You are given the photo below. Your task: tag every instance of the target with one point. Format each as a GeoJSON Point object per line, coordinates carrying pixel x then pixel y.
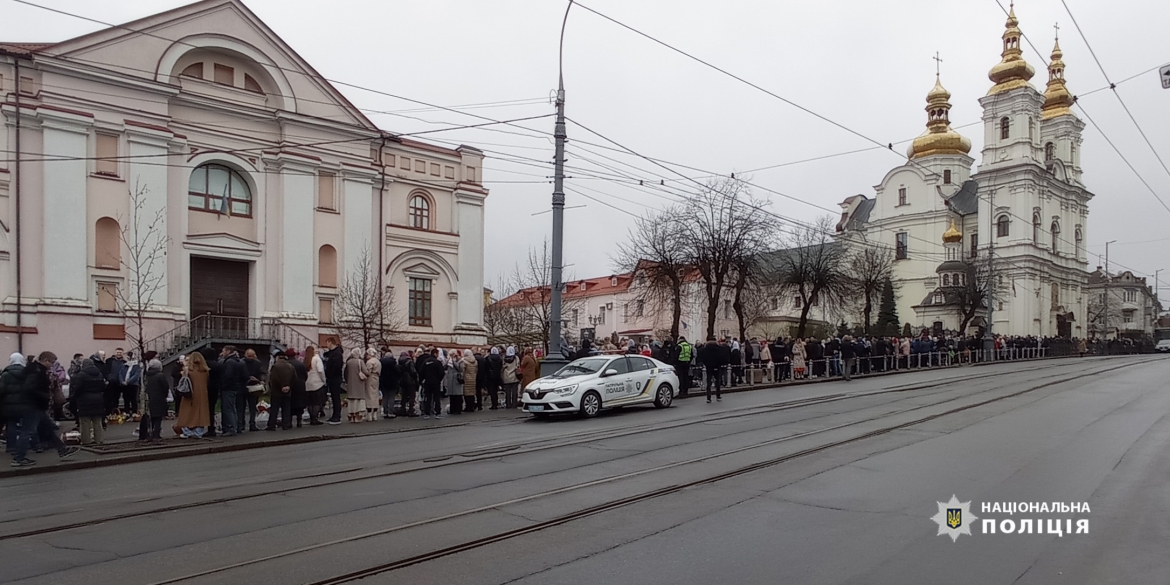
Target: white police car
{"type": "Point", "coordinates": [590, 384]}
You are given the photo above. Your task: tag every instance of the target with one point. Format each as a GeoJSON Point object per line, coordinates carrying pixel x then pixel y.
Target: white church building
{"type": "Point", "coordinates": [1025, 208]}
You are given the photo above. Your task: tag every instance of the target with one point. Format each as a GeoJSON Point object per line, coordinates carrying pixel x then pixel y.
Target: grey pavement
{"type": "Point", "coordinates": [820, 483]}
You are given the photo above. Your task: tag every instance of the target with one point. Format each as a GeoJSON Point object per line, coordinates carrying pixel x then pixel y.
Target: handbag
{"type": "Point", "coordinates": [184, 386]}
{"type": "Point", "coordinates": [255, 388]}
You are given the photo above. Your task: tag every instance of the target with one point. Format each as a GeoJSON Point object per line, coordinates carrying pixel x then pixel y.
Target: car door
{"type": "Point", "coordinates": [642, 373]}
{"type": "Point", "coordinates": [616, 387]}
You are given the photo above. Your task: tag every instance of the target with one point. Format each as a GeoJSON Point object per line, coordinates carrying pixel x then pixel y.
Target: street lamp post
{"type": "Point", "coordinates": [555, 359]}
{"type": "Point", "coordinates": [1105, 314]}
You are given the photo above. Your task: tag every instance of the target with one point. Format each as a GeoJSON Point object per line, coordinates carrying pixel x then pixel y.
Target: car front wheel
{"type": "Point", "coordinates": [664, 397]}
{"type": "Point", "coordinates": [590, 404]}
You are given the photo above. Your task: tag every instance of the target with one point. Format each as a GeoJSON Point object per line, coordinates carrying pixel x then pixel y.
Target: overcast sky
{"type": "Point", "coordinates": [865, 65]}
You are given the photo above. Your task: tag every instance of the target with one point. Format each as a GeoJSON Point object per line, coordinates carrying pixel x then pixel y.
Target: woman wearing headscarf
{"type": "Point", "coordinates": [355, 385]}
{"type": "Point", "coordinates": [314, 382]}
{"type": "Point", "coordinates": [157, 389]}
{"type": "Point", "coordinates": [373, 381]}
{"type": "Point", "coordinates": [453, 381]}
{"type": "Point", "coordinates": [194, 415]}
{"type": "Point", "coordinates": [510, 377]}
{"type": "Point", "coordinates": [469, 367]}
{"type": "Point", "coordinates": [799, 358]}
{"type": "Point", "coordinates": [736, 363]}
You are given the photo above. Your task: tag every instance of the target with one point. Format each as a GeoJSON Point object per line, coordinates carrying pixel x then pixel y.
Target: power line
{"type": "Point", "coordinates": [1113, 87]}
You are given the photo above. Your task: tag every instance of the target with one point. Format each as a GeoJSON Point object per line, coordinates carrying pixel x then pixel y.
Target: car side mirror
{"type": "Point", "coordinates": [610, 372]}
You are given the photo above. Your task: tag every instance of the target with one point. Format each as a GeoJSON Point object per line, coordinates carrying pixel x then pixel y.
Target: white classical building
{"type": "Point", "coordinates": [1025, 207]}
{"type": "Point", "coordinates": [269, 187]}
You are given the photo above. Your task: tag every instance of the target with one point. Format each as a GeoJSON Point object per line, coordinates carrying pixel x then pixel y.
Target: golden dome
{"type": "Point", "coordinates": [1057, 99]}
{"type": "Point", "coordinates": [939, 137]}
{"type": "Point", "coordinates": [952, 235]}
{"type": "Point", "coordinates": [1012, 72]}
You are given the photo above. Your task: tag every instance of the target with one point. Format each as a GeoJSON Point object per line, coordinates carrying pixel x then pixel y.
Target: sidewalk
{"type": "Point", "coordinates": [121, 446]}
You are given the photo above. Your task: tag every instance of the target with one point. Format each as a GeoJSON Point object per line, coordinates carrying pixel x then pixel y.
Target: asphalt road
{"type": "Point", "coordinates": [825, 483]}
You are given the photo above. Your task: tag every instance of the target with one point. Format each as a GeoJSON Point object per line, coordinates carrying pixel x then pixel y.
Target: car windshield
{"type": "Point", "coordinates": [1164, 342]}
{"type": "Point", "coordinates": [582, 367]}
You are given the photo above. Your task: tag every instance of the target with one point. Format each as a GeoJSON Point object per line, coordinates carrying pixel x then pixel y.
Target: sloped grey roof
{"type": "Point", "coordinates": [860, 215]}
{"type": "Point", "coordinates": [966, 201]}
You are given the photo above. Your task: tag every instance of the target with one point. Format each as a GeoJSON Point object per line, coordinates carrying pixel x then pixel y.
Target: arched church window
{"type": "Point", "coordinates": [1055, 236]}
{"type": "Point", "coordinates": [219, 189]}
{"type": "Point", "coordinates": [1004, 128]}
{"type": "Point", "coordinates": [1078, 240]}
{"type": "Point", "coordinates": [420, 212]}
{"type": "Point", "coordinates": [946, 280]}
{"type": "Point", "coordinates": [1036, 228]}
{"type": "Point", "coordinates": [1002, 226]}
{"type": "Point", "coordinates": [1049, 151]}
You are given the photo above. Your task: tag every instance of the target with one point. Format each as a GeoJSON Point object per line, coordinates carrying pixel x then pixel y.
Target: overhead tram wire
{"type": "Point", "coordinates": [1096, 127]}
{"type": "Point", "coordinates": [1113, 87]}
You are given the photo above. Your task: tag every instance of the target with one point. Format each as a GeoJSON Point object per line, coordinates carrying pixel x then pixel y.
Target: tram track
{"type": "Point", "coordinates": [642, 497]}
{"type": "Point", "coordinates": [537, 445]}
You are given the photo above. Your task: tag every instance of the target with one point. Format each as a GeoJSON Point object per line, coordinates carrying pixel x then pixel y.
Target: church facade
{"type": "Point", "coordinates": [1013, 229]}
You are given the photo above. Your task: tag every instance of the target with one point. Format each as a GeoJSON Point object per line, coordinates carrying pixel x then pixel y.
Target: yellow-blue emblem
{"type": "Point", "coordinates": [954, 517]}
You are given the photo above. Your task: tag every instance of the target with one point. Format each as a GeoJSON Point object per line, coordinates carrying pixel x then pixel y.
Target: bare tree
{"type": "Point", "coordinates": [971, 294]}
{"type": "Point", "coordinates": [366, 313]}
{"type": "Point", "coordinates": [533, 297]}
{"type": "Point", "coordinates": [506, 321]}
{"type": "Point", "coordinates": [1095, 311]}
{"type": "Point", "coordinates": [868, 269]}
{"type": "Point", "coordinates": [813, 267]}
{"type": "Point", "coordinates": [144, 239]}
{"type": "Point", "coordinates": [723, 225]}
{"type": "Point", "coordinates": [656, 255]}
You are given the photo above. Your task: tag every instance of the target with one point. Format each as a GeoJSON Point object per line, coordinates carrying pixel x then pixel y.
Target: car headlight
{"type": "Point", "coordinates": [571, 388]}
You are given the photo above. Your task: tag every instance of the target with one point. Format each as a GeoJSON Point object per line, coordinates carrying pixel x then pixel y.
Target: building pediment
{"type": "Point", "coordinates": [223, 244]}
{"type": "Point", "coordinates": [154, 47]}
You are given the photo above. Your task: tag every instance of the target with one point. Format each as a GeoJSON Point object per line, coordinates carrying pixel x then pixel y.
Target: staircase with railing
{"type": "Point", "coordinates": [206, 330]}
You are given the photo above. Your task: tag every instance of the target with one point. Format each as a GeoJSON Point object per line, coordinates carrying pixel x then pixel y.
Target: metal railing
{"type": "Point", "coordinates": [209, 328]}
{"type": "Point", "coordinates": [832, 367]}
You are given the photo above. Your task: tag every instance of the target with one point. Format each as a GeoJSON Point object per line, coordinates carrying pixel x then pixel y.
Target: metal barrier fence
{"type": "Point", "coordinates": [833, 367]}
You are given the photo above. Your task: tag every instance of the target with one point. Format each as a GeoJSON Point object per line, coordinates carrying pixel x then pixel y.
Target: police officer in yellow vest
{"type": "Point", "coordinates": [682, 365]}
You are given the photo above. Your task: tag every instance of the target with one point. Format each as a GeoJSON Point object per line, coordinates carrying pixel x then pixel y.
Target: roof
{"type": "Point", "coordinates": [574, 289]}
{"type": "Point", "coordinates": [966, 201]}
{"type": "Point", "coordinates": [23, 49]}
{"type": "Point", "coordinates": [860, 215]}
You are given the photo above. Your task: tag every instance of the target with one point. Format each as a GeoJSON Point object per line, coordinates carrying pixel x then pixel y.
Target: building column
{"type": "Point", "coordinates": [65, 244]}
{"type": "Point", "coordinates": [297, 255]}
{"type": "Point", "coordinates": [149, 148]}
{"type": "Point", "coordinates": [357, 209]}
{"type": "Point", "coordinates": [469, 213]}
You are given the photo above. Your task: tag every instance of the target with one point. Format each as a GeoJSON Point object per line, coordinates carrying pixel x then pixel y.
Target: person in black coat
{"type": "Point", "coordinates": [233, 385]}
{"type": "Point", "coordinates": [494, 378]}
{"type": "Point", "coordinates": [388, 383]}
{"type": "Point", "coordinates": [334, 372]}
{"type": "Point", "coordinates": [407, 383]}
{"type": "Point", "coordinates": [87, 391]}
{"type": "Point", "coordinates": [432, 373]}
{"type": "Point", "coordinates": [481, 380]}
{"type": "Point", "coordinates": [715, 356]}
{"type": "Point", "coordinates": [25, 394]}
{"type": "Point", "coordinates": [157, 388]}
{"type": "Point", "coordinates": [848, 356]}
{"type": "Point", "coordinates": [816, 357]}
{"type": "Point", "coordinates": [300, 396]}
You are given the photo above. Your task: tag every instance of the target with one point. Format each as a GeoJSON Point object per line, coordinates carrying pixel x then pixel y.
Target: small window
{"type": "Point", "coordinates": [1049, 151]}
{"type": "Point", "coordinates": [194, 70]}
{"type": "Point", "coordinates": [420, 302]}
{"type": "Point", "coordinates": [974, 245]}
{"type": "Point", "coordinates": [1002, 226]}
{"type": "Point", "coordinates": [107, 297]}
{"type": "Point", "coordinates": [327, 267]}
{"type": "Point", "coordinates": [326, 198]}
{"type": "Point", "coordinates": [107, 155]}
{"type": "Point", "coordinates": [947, 279]}
{"type": "Point", "coordinates": [726, 309]}
{"type": "Point", "coordinates": [225, 75]}
{"type": "Point", "coordinates": [947, 177]}
{"type": "Point", "coordinates": [251, 84]}
{"type": "Point", "coordinates": [325, 310]}
{"type": "Point", "coordinates": [107, 244]}
{"type": "Point", "coordinates": [639, 308]}
{"type": "Point", "coordinates": [797, 302]}
{"type": "Point", "coordinates": [901, 251]}
{"type": "Point", "coordinates": [576, 316]}
{"type": "Point", "coordinates": [600, 313]}
{"type": "Point", "coordinates": [420, 212]}
{"type": "Point", "coordinates": [1130, 295]}
{"type": "Point", "coordinates": [902, 196]}
{"type": "Point", "coordinates": [613, 281]}
{"type": "Point", "coordinates": [1005, 126]}
{"type": "Point", "coordinates": [1036, 229]}
{"type": "Point", "coordinates": [582, 286]}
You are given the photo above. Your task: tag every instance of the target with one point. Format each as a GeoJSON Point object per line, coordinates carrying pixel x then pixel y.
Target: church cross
{"type": "Point", "coordinates": [937, 62]}
{"type": "Point", "coordinates": [1057, 27]}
